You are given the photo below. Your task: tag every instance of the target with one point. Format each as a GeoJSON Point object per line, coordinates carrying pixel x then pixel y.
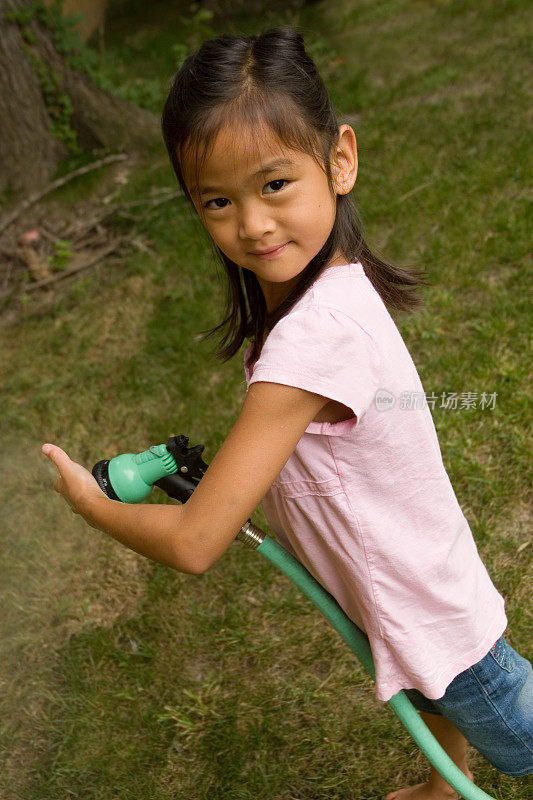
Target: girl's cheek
{"type": "Point", "coordinates": [223, 229]}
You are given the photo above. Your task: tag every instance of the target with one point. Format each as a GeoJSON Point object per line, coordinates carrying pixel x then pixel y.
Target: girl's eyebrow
{"type": "Point", "coordinates": [281, 162]}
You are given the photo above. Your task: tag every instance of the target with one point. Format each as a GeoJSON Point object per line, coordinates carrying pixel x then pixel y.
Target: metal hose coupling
{"type": "Point", "coordinates": [251, 535]}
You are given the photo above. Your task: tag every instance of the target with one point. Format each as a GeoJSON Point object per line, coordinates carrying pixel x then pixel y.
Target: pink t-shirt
{"type": "Point", "coordinates": [366, 504]}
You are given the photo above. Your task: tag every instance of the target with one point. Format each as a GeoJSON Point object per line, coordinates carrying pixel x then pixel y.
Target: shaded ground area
{"type": "Point", "coordinates": [48, 243]}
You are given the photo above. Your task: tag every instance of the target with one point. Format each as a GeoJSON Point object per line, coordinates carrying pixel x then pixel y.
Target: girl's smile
{"type": "Point", "coordinates": [267, 254]}
{"type": "Point", "coordinates": [269, 208]}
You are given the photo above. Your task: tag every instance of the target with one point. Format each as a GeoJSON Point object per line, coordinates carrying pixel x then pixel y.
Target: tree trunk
{"type": "Point", "coordinates": [29, 66]}
{"type": "Point", "coordinates": [94, 12]}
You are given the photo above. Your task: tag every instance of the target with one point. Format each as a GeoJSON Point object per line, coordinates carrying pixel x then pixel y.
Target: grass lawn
{"type": "Point", "coordinates": [123, 679]}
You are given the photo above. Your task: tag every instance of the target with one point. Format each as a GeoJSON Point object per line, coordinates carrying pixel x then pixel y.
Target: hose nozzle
{"type": "Point", "coordinates": [173, 467]}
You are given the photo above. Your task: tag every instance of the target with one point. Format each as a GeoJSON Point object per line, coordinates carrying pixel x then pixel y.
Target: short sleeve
{"type": "Point", "coordinates": [322, 350]}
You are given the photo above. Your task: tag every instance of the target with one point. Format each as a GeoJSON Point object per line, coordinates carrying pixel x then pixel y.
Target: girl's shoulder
{"type": "Point", "coordinates": [341, 311]}
{"type": "Point", "coordinates": [344, 287]}
{"type": "Point", "coordinates": [346, 293]}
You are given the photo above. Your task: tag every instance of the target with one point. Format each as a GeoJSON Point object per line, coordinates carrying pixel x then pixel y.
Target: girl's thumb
{"type": "Point", "coordinates": [55, 453]}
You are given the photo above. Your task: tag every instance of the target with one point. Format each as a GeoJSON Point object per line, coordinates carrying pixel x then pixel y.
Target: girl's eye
{"type": "Point", "coordinates": [279, 180]}
{"type": "Point", "coordinates": [215, 200]}
{"type": "Point", "coordinates": [224, 200]}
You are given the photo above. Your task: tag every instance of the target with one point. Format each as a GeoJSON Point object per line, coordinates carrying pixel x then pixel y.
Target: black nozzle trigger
{"type": "Point", "coordinates": [190, 469]}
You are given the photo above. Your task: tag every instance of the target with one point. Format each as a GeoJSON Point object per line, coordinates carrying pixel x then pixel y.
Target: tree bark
{"type": "Point", "coordinates": [94, 13]}
{"type": "Point", "coordinates": [29, 153]}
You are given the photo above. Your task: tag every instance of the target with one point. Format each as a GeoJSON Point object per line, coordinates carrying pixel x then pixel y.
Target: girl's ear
{"type": "Point", "coordinates": [344, 162]}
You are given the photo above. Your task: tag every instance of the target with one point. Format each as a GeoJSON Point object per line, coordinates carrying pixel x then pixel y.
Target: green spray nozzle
{"type": "Point", "coordinates": [132, 476]}
{"type": "Point", "coordinates": [173, 467]}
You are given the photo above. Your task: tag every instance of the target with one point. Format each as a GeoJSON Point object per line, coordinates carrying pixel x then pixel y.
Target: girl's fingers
{"type": "Point", "coordinates": [53, 451]}
{"type": "Point", "coordinates": [61, 460]}
{"type": "Point", "coordinates": [74, 482]}
{"type": "Point", "coordinates": [56, 454]}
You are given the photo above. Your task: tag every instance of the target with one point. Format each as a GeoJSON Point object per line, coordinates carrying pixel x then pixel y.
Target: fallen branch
{"type": "Point", "coordinates": [56, 184]}
{"type": "Point", "coordinates": [58, 276]}
{"type": "Point", "coordinates": [79, 229]}
{"type": "Point", "coordinates": [150, 201]}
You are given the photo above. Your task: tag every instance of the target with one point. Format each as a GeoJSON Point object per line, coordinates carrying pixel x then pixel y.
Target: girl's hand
{"type": "Point", "coordinates": [75, 483]}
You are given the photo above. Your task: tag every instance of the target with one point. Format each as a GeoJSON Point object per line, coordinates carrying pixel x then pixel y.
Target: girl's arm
{"type": "Point", "coordinates": [192, 537]}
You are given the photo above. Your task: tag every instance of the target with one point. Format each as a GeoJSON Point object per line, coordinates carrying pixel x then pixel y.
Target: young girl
{"type": "Point", "coordinates": [350, 476]}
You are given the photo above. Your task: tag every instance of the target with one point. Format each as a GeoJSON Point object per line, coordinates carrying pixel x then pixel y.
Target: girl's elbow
{"type": "Point", "coordinates": [196, 550]}
{"type": "Point", "coordinates": [189, 568]}
{"type": "Point", "coordinates": [185, 553]}
{"type": "Point", "coordinates": [182, 558]}
{"type": "Point", "coordinates": [190, 564]}
{"type": "Point", "coordinates": [200, 560]}
{"type": "Point", "coordinates": [192, 559]}
{"type": "Point", "coordinates": [202, 564]}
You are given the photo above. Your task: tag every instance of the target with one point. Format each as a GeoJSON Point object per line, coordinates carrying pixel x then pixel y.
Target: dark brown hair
{"type": "Point", "coordinates": [269, 82]}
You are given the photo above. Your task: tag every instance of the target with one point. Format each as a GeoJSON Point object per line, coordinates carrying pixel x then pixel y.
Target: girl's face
{"type": "Point", "coordinates": [268, 208]}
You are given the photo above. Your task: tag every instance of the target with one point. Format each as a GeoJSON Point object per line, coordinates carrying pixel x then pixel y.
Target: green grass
{"type": "Point", "coordinates": [124, 679]}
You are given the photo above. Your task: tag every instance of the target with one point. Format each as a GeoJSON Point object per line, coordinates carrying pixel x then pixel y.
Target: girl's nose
{"type": "Point", "coordinates": [255, 222]}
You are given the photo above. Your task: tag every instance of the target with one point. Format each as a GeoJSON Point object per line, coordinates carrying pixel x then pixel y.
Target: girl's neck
{"type": "Point", "coordinates": [275, 293]}
{"type": "Point", "coordinates": [338, 261]}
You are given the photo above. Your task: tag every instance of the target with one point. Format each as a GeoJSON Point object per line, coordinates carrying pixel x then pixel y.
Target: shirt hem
{"type": "Point", "coordinates": [437, 688]}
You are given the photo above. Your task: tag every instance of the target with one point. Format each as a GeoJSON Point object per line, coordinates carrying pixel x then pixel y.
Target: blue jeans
{"type": "Point", "coordinates": [491, 704]}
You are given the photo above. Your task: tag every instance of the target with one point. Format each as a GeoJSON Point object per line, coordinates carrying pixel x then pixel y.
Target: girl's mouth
{"type": "Point", "coordinates": [271, 253]}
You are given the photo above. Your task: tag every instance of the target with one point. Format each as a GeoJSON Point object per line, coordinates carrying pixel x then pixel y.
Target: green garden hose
{"type": "Point", "coordinates": [358, 643]}
{"type": "Point", "coordinates": [177, 469]}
